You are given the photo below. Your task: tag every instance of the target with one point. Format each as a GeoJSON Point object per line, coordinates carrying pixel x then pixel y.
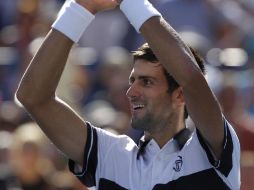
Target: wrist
{"type": "Point", "coordinates": [72, 20]}
{"type": "Point", "coordinates": [138, 11]}
{"type": "Point", "coordinates": [119, 1]}
{"type": "Point", "coordinates": [87, 6]}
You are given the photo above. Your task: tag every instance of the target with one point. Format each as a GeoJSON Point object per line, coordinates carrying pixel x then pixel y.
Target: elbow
{"type": "Point", "coordinates": [29, 99]}
{"type": "Point", "coordinates": [22, 97]}
{"type": "Point", "coordinates": [19, 95]}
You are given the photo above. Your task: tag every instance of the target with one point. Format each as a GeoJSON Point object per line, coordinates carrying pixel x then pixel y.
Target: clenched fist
{"type": "Point", "coordinates": [95, 6]}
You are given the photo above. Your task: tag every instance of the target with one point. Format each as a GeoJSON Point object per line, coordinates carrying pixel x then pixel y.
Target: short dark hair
{"type": "Point", "coordinates": [145, 52]}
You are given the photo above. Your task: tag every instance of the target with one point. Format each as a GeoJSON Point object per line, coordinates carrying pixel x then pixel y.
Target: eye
{"type": "Point", "coordinates": [131, 80]}
{"type": "Point", "coordinates": [147, 82]}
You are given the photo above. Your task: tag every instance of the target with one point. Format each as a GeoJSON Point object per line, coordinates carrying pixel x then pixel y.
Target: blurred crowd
{"type": "Point", "coordinates": [96, 78]}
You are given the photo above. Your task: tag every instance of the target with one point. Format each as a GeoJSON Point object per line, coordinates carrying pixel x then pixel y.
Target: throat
{"type": "Point", "coordinates": [164, 135]}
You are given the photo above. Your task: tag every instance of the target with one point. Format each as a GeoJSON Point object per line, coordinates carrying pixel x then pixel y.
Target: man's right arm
{"type": "Point", "coordinates": [38, 85]}
{"type": "Point", "coordinates": [37, 93]}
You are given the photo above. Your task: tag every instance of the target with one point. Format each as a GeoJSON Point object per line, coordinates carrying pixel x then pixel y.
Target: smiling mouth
{"type": "Point", "coordinates": [138, 106]}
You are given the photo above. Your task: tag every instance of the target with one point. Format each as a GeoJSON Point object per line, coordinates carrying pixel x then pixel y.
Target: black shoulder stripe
{"type": "Point", "coordinates": [92, 159]}
{"type": "Point", "coordinates": [226, 161]}
{"type": "Point", "coordinates": [182, 137]}
{"type": "Point", "coordinates": [225, 164]}
{"type": "Point", "coordinates": [207, 150]}
{"type": "Point", "coordinates": [87, 175]}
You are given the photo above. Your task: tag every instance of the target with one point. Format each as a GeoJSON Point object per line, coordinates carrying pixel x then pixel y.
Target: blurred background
{"type": "Point", "coordinates": [96, 78]}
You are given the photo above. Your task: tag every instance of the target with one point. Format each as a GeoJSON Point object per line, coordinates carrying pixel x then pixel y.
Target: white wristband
{"type": "Point", "coordinates": [138, 11]}
{"type": "Point", "coordinates": [72, 20]}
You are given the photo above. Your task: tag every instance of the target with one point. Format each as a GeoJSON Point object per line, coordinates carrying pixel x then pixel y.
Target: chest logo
{"type": "Point", "coordinates": [178, 164]}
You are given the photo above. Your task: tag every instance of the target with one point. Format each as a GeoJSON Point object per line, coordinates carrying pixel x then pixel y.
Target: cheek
{"type": "Point", "coordinates": [162, 103]}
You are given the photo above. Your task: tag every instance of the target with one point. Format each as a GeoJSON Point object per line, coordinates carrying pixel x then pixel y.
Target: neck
{"type": "Point", "coordinates": [163, 135]}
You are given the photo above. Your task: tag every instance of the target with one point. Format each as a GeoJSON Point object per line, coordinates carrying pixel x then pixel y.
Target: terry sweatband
{"type": "Point", "coordinates": [138, 11]}
{"type": "Point", "coordinates": [72, 20]}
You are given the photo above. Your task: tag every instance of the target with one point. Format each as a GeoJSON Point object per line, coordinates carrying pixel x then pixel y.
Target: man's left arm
{"type": "Point", "coordinates": [177, 58]}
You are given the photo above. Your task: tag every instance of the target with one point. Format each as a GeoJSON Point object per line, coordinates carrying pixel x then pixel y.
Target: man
{"type": "Point", "coordinates": [169, 155]}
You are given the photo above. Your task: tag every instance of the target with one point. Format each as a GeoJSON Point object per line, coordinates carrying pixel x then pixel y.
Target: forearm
{"type": "Point", "coordinates": [171, 51]}
{"type": "Point", "coordinates": [43, 74]}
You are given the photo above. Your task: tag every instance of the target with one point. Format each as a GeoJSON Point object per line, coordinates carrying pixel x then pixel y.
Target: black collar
{"type": "Point", "coordinates": [181, 138]}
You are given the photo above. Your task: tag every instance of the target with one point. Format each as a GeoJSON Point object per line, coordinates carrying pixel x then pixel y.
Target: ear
{"type": "Point", "coordinates": [178, 96]}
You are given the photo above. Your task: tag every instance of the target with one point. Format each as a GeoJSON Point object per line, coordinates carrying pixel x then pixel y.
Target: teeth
{"type": "Point", "coordinates": [138, 106]}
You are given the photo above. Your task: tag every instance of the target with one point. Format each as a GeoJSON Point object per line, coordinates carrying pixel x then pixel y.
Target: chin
{"type": "Point", "coordinates": [139, 124]}
{"type": "Point", "coordinates": [134, 123]}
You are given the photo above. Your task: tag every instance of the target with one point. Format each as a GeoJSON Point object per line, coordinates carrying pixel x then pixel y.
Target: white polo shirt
{"type": "Point", "coordinates": [185, 163]}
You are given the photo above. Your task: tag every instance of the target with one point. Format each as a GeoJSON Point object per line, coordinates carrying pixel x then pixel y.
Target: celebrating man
{"type": "Point", "coordinates": [166, 85]}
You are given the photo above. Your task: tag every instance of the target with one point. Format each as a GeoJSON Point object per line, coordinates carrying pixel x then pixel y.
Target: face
{"type": "Point", "coordinates": [150, 102]}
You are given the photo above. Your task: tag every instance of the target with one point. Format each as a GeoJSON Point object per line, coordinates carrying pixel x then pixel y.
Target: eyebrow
{"type": "Point", "coordinates": [143, 77]}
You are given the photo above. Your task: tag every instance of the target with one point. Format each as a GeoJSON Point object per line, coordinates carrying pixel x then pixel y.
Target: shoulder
{"type": "Point", "coordinates": [108, 140]}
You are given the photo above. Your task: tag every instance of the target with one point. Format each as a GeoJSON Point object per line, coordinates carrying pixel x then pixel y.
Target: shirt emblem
{"type": "Point", "coordinates": [178, 164]}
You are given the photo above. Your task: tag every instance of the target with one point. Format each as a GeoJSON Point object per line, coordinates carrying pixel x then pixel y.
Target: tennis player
{"type": "Point", "coordinates": [166, 84]}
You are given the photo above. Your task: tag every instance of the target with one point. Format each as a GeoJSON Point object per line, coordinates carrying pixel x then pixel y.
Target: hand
{"type": "Point", "coordinates": [95, 6]}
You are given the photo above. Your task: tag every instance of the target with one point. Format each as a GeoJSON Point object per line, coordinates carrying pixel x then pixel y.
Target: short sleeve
{"type": "Point", "coordinates": [230, 157]}
{"type": "Point", "coordinates": [86, 173]}
{"type": "Point", "coordinates": [101, 146]}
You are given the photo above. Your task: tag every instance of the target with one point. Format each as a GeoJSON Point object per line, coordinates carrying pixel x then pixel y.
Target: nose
{"type": "Point", "coordinates": [133, 91]}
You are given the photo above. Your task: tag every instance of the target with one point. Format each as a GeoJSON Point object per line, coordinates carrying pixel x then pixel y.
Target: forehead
{"type": "Point", "coordinates": [146, 68]}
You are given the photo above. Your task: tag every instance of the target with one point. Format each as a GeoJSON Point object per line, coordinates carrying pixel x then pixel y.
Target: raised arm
{"type": "Point", "coordinates": [38, 85]}
{"type": "Point", "coordinates": [176, 57]}
{"type": "Point", "coordinates": [37, 93]}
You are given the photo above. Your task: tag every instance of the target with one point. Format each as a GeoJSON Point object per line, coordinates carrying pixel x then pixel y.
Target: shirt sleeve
{"type": "Point", "coordinates": [230, 157]}
{"type": "Point", "coordinates": [86, 173]}
{"type": "Point", "coordinates": [100, 149]}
